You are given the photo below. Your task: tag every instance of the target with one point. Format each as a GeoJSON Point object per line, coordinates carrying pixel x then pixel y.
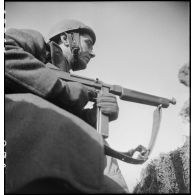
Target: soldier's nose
{"type": "Point", "coordinates": [92, 54]}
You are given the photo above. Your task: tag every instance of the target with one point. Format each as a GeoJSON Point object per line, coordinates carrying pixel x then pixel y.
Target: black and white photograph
{"type": "Point", "coordinates": [97, 97]}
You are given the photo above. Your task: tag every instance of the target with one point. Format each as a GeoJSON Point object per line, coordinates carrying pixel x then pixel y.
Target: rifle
{"type": "Point", "coordinates": [126, 95]}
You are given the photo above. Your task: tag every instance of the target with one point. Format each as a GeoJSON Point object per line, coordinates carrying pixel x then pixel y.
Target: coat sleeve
{"type": "Point", "coordinates": [25, 70]}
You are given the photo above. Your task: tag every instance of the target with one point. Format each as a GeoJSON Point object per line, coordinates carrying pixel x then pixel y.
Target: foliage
{"type": "Point", "coordinates": [167, 174]}
{"type": "Point", "coordinates": [170, 172]}
{"type": "Point", "coordinates": [184, 78]}
{"type": "Point", "coordinates": [185, 111]}
{"type": "Point", "coordinates": [184, 75]}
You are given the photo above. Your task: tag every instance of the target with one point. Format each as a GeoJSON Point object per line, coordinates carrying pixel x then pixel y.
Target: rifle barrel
{"type": "Point", "coordinates": [144, 98]}
{"type": "Point", "coordinates": [123, 93]}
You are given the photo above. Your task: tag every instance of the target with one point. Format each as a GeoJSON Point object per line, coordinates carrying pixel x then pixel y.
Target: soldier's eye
{"type": "Point", "coordinates": [89, 43]}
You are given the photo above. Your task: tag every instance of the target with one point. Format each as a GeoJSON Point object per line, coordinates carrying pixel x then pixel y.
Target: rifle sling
{"type": "Point", "coordinates": [128, 158]}
{"type": "Point", "coordinates": [122, 156]}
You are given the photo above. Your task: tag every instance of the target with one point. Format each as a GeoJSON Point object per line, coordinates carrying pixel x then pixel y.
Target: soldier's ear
{"type": "Point", "coordinates": [64, 40]}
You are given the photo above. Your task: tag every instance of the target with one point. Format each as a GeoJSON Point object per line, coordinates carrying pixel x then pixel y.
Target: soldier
{"type": "Point", "coordinates": [52, 146]}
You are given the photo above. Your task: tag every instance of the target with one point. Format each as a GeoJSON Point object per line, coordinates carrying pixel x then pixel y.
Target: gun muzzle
{"type": "Point", "coordinates": [173, 101]}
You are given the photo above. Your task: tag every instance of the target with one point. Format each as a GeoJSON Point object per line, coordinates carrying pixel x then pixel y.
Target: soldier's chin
{"type": "Point", "coordinates": [79, 66]}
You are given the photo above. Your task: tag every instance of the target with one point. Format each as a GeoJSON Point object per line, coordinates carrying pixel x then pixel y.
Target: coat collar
{"type": "Point", "coordinates": [56, 57]}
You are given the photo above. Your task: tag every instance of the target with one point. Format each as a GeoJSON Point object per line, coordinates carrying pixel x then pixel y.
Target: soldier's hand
{"type": "Point", "coordinates": [140, 152]}
{"type": "Point", "coordinates": [109, 106]}
{"type": "Point", "coordinates": [78, 94]}
{"type": "Point", "coordinates": [141, 149]}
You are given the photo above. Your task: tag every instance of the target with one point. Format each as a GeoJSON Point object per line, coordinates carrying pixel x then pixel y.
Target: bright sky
{"type": "Point", "coordinates": [141, 46]}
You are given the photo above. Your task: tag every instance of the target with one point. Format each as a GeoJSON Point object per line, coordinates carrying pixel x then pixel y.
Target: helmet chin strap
{"type": "Point", "coordinates": [74, 40]}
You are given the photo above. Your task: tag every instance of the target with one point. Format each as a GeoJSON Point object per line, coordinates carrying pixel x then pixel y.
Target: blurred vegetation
{"type": "Point", "coordinates": [170, 173]}
{"type": "Point", "coordinates": [167, 174]}
{"type": "Point", "coordinates": [184, 75]}
{"type": "Point", "coordinates": [184, 78]}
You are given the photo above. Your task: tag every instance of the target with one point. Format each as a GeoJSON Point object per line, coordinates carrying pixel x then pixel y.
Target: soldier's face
{"type": "Point", "coordinates": [86, 51]}
{"type": "Point", "coordinates": [81, 60]}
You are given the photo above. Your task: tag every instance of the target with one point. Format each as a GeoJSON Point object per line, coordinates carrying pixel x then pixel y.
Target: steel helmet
{"type": "Point", "coordinates": [69, 25]}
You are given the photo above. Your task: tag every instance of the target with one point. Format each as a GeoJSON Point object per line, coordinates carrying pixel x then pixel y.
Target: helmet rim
{"type": "Point", "coordinates": [70, 25]}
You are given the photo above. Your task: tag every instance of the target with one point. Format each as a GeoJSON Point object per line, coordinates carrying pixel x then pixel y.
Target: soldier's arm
{"type": "Point", "coordinates": [25, 69]}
